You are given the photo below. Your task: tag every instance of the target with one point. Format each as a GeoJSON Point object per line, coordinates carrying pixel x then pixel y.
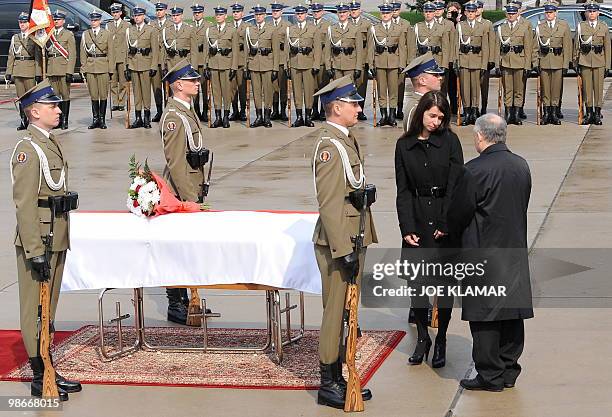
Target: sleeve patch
{"type": "Point", "coordinates": [325, 156]}
{"type": "Point", "coordinates": [21, 157]}
{"type": "Point", "coordinates": [171, 126]}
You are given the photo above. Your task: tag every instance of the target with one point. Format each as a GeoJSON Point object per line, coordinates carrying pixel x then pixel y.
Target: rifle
{"type": "Point", "coordinates": [353, 400]}
{"type": "Point", "coordinates": [538, 102]}
{"type": "Point", "coordinates": [374, 101]}
{"type": "Point", "coordinates": [459, 103]}
{"type": "Point", "coordinates": [110, 100]}
{"type": "Point", "coordinates": [128, 108]}
{"type": "Point", "coordinates": [580, 103]}
{"type": "Point", "coordinates": [289, 88]}
{"type": "Point", "coordinates": [209, 99]}
{"type": "Point", "coordinates": [499, 93]}
{"type": "Point", "coordinates": [248, 102]}
{"type": "Point", "coordinates": [44, 313]}
{"type": "Point", "coordinates": [206, 184]}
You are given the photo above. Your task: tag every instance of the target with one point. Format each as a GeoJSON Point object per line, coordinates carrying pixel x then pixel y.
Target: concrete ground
{"type": "Point", "coordinates": [565, 360]}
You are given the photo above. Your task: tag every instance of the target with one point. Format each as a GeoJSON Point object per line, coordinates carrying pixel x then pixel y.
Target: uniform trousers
{"type": "Point", "coordinates": [550, 83]}
{"type": "Point", "coordinates": [512, 80]}
{"type": "Point", "coordinates": [23, 84]}
{"type": "Point", "coordinates": [262, 87]}
{"type": "Point", "coordinates": [401, 89]}
{"type": "Point", "coordinates": [118, 83]}
{"type": "Point", "coordinates": [60, 86]}
{"type": "Point", "coordinates": [280, 85]}
{"type": "Point", "coordinates": [239, 87]}
{"type": "Point", "coordinates": [98, 86]}
{"type": "Point", "coordinates": [470, 87]}
{"type": "Point", "coordinates": [156, 84]}
{"type": "Point", "coordinates": [387, 88]}
{"type": "Point", "coordinates": [303, 88]}
{"type": "Point", "coordinates": [221, 89]}
{"type": "Point", "coordinates": [141, 82]}
{"type": "Point", "coordinates": [592, 85]}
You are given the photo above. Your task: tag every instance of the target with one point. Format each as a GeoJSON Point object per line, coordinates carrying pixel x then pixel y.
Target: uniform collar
{"type": "Point", "coordinates": [139, 27]}
{"type": "Point", "coordinates": [42, 131]}
{"type": "Point", "coordinates": [183, 103]}
{"type": "Point", "coordinates": [340, 128]}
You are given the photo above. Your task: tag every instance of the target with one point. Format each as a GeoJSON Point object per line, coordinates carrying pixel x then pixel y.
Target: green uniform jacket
{"type": "Point", "coordinates": [364, 26]}
{"type": "Point", "coordinates": [198, 57]}
{"type": "Point", "coordinates": [350, 37]}
{"type": "Point", "coordinates": [142, 39]}
{"type": "Point", "coordinates": [309, 37]}
{"type": "Point", "coordinates": [257, 39]}
{"type": "Point", "coordinates": [226, 39]}
{"type": "Point", "coordinates": [57, 65]}
{"type": "Point", "coordinates": [19, 62]}
{"type": "Point", "coordinates": [280, 36]}
{"type": "Point", "coordinates": [395, 36]}
{"type": "Point", "coordinates": [97, 45]}
{"type": "Point", "coordinates": [559, 37]}
{"type": "Point", "coordinates": [241, 41]}
{"type": "Point", "coordinates": [436, 36]}
{"type": "Point", "coordinates": [118, 39]}
{"type": "Point", "coordinates": [159, 26]}
{"type": "Point", "coordinates": [410, 41]}
{"type": "Point", "coordinates": [479, 36]}
{"type": "Point", "coordinates": [491, 41]}
{"type": "Point", "coordinates": [519, 35]}
{"type": "Point", "coordinates": [183, 39]}
{"type": "Point", "coordinates": [600, 36]}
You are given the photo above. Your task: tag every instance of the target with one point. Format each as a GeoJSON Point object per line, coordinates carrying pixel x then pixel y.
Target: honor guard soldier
{"type": "Point", "coordinates": [98, 65]}
{"type": "Point", "coordinates": [426, 76]}
{"type": "Point", "coordinates": [410, 53]}
{"type": "Point", "coordinates": [472, 51]}
{"type": "Point", "coordinates": [200, 26]}
{"type": "Point", "coordinates": [321, 77]}
{"type": "Point", "coordinates": [262, 54]}
{"type": "Point", "coordinates": [24, 63]}
{"type": "Point", "coordinates": [387, 59]}
{"type": "Point", "coordinates": [513, 48]}
{"type": "Point", "coordinates": [448, 89]}
{"type": "Point", "coordinates": [142, 65]}
{"type": "Point", "coordinates": [182, 138]}
{"type": "Point", "coordinates": [239, 99]}
{"type": "Point", "coordinates": [38, 175]}
{"type": "Point", "coordinates": [304, 45]}
{"type": "Point", "coordinates": [344, 47]}
{"type": "Point", "coordinates": [592, 57]}
{"type": "Point", "coordinates": [61, 58]}
{"type": "Point", "coordinates": [338, 179]}
{"type": "Point", "coordinates": [223, 52]}
{"type": "Point", "coordinates": [522, 21]}
{"type": "Point", "coordinates": [484, 80]}
{"type": "Point", "coordinates": [178, 40]}
{"type": "Point", "coordinates": [117, 29]}
{"type": "Point", "coordinates": [364, 26]}
{"type": "Point", "coordinates": [279, 99]}
{"type": "Point", "coordinates": [553, 43]}
{"type": "Point", "coordinates": [158, 88]}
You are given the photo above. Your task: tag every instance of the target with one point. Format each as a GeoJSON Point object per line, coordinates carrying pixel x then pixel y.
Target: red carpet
{"type": "Point", "coordinates": [76, 355]}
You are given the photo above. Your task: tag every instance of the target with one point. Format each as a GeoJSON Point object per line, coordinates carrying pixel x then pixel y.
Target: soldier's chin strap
{"type": "Point", "coordinates": [346, 163]}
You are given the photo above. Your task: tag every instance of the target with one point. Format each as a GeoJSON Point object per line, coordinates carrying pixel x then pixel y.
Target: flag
{"type": "Point", "coordinates": [42, 28]}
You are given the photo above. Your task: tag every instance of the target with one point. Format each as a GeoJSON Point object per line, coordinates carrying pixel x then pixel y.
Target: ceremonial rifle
{"type": "Point", "coordinates": [499, 93]}
{"type": "Point", "coordinates": [374, 103]}
{"type": "Point", "coordinates": [289, 90]}
{"type": "Point", "coordinates": [248, 102]}
{"type": "Point", "coordinates": [128, 108]}
{"type": "Point", "coordinates": [580, 103]}
{"type": "Point", "coordinates": [538, 102]}
{"type": "Point", "coordinates": [459, 103]}
{"type": "Point", "coordinates": [209, 99]}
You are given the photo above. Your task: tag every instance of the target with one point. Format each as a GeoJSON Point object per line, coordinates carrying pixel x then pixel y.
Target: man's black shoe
{"type": "Point", "coordinates": [477, 385]}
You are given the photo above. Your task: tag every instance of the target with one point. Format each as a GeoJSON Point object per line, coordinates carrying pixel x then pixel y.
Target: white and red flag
{"type": "Point", "coordinates": [42, 28]}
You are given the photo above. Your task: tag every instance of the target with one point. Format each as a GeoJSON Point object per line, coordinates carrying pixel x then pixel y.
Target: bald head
{"type": "Point", "coordinates": [489, 129]}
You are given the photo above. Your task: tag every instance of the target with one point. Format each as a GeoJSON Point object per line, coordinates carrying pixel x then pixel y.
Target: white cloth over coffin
{"type": "Point", "coordinates": [121, 250]}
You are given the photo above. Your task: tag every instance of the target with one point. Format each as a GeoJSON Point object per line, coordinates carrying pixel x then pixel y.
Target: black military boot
{"type": "Point", "coordinates": [558, 111]}
{"type": "Point", "coordinates": [308, 122]}
{"type": "Point", "coordinates": [330, 393]}
{"type": "Point", "coordinates": [258, 119]}
{"type": "Point", "coordinates": [384, 118]}
{"type": "Point", "coordinates": [158, 107]}
{"type": "Point", "coordinates": [137, 120]}
{"type": "Point", "coordinates": [226, 119]}
{"type": "Point", "coordinates": [177, 312]}
{"type": "Point", "coordinates": [554, 118]}
{"type": "Point", "coordinates": [322, 116]}
{"type": "Point", "coordinates": [66, 114]}
{"type": "Point", "coordinates": [38, 371]}
{"type": "Point", "coordinates": [587, 119]}
{"type": "Point", "coordinates": [218, 120]}
{"type": "Point", "coordinates": [235, 113]}
{"type": "Point", "coordinates": [102, 117]}
{"type": "Point", "coordinates": [146, 123]}
{"type": "Point", "coordinates": [267, 116]}
{"type": "Point", "coordinates": [517, 119]}
{"type": "Point", "coordinates": [63, 383]}
{"type": "Point", "coordinates": [400, 114]}
{"type": "Point", "coordinates": [299, 120]}
{"type": "Point", "coordinates": [283, 111]}
{"type": "Point", "coordinates": [507, 114]}
{"type": "Point", "coordinates": [521, 113]}
{"type": "Point", "coordinates": [545, 115]}
{"type": "Point", "coordinates": [24, 119]}
{"type": "Point", "coordinates": [95, 111]}
{"type": "Point", "coordinates": [391, 120]}
{"type": "Point", "coordinates": [597, 116]}
{"type": "Point", "coordinates": [242, 115]}
{"type": "Point", "coordinates": [275, 115]}
{"type": "Point", "coordinates": [366, 394]}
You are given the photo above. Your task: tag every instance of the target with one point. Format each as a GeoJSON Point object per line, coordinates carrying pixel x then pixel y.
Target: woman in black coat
{"type": "Point", "coordinates": [428, 160]}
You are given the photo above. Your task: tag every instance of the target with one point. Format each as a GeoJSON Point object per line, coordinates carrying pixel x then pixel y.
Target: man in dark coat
{"type": "Point", "coordinates": [489, 210]}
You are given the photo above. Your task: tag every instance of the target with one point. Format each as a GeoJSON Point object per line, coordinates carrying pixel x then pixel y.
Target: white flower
{"type": "Point", "coordinates": [136, 182]}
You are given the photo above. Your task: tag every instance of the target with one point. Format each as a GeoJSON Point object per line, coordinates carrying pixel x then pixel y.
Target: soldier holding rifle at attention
{"type": "Point", "coordinates": [158, 88]}
{"type": "Point", "coordinates": [364, 26]}
{"type": "Point", "coordinates": [39, 178]}
{"type": "Point", "coordinates": [117, 30]}
{"type": "Point", "coordinates": [200, 26]}
{"type": "Point", "coordinates": [339, 185]}
{"type": "Point", "coordinates": [321, 78]}
{"type": "Point", "coordinates": [239, 102]}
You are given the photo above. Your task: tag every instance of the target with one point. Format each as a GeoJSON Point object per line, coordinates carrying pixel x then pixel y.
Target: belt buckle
{"type": "Point", "coordinates": [433, 191]}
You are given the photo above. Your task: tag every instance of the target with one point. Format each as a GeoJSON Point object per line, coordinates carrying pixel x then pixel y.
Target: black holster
{"type": "Point", "coordinates": [197, 159]}
{"type": "Point", "coordinates": [356, 197]}
{"type": "Point", "coordinates": [64, 203]}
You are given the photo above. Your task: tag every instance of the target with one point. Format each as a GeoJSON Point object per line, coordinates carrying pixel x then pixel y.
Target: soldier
{"type": "Point", "coordinates": [410, 54]}
{"type": "Point", "coordinates": [304, 45]}
{"type": "Point", "coordinates": [239, 82]}
{"type": "Point", "coordinates": [425, 75]}
{"type": "Point", "coordinates": [142, 65]}
{"type": "Point", "coordinates": [38, 172]}
{"type": "Point", "coordinates": [521, 21]}
{"type": "Point", "coordinates": [338, 174]}
{"type": "Point", "coordinates": [158, 88]}
{"type": "Point", "coordinates": [200, 25]}
{"type": "Point", "coordinates": [223, 51]}
{"type": "Point", "coordinates": [513, 49]}
{"type": "Point", "coordinates": [364, 26]}
{"type": "Point", "coordinates": [182, 138]}
{"type": "Point", "coordinates": [97, 63]}
{"type": "Point", "coordinates": [178, 40]}
{"type": "Point", "coordinates": [24, 63]}
{"type": "Point", "coordinates": [472, 52]}
{"type": "Point", "coordinates": [61, 58]}
{"type": "Point", "coordinates": [553, 43]}
{"type": "Point", "coordinates": [280, 84]}
{"type": "Point", "coordinates": [449, 81]}
{"type": "Point", "coordinates": [387, 58]}
{"type": "Point", "coordinates": [321, 78]}
{"type": "Point", "coordinates": [592, 56]}
{"type": "Point", "coordinates": [343, 47]}
{"type": "Point", "coordinates": [262, 55]}
{"type": "Point", "coordinates": [484, 80]}
{"type": "Point", "coordinates": [117, 29]}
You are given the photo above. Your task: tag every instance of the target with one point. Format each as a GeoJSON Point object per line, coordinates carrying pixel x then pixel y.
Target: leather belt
{"type": "Point", "coordinates": [24, 58]}
{"type": "Point", "coordinates": [435, 192]}
{"type": "Point", "coordinates": [96, 55]}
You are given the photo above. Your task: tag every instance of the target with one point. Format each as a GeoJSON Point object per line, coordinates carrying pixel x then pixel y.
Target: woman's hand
{"type": "Point", "coordinates": [438, 234]}
{"type": "Point", "coordinates": [412, 239]}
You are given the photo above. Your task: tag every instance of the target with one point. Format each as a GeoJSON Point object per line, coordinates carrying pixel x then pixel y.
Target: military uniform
{"type": "Point", "coordinates": [304, 46]}
{"type": "Point", "coordinates": [344, 50]}
{"type": "Point", "coordinates": [142, 65]}
{"type": "Point", "coordinates": [39, 171]}
{"type": "Point", "coordinates": [239, 101]}
{"type": "Point", "coordinates": [117, 29]}
{"type": "Point", "coordinates": [484, 80]}
{"type": "Point", "coordinates": [449, 82]}
{"type": "Point", "coordinates": [156, 80]}
{"type": "Point", "coordinates": [321, 78]}
{"type": "Point", "coordinates": [179, 41]}
{"type": "Point", "coordinates": [97, 63]}
{"type": "Point", "coordinates": [338, 224]}
{"type": "Point", "coordinates": [523, 21]}
{"type": "Point", "coordinates": [279, 99]}
{"type": "Point", "coordinates": [553, 42]}
{"type": "Point", "coordinates": [364, 26]}
{"type": "Point", "coordinates": [59, 68]}
{"type": "Point", "coordinates": [410, 54]}
{"type": "Point", "coordinates": [200, 101]}
{"type": "Point", "coordinates": [592, 56]}
{"type": "Point", "coordinates": [262, 55]}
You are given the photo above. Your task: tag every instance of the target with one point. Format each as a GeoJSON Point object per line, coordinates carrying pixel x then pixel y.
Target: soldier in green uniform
{"type": "Point", "coordinates": [449, 81]}
{"type": "Point", "coordinates": [410, 53]}
{"type": "Point", "coordinates": [321, 77]}
{"type": "Point", "coordinates": [472, 51]}
{"type": "Point", "coordinates": [24, 65]}
{"type": "Point", "coordinates": [222, 47]}
{"type": "Point", "coordinates": [425, 75]}
{"type": "Point", "coordinates": [387, 58]}
{"type": "Point", "coordinates": [178, 40]}
{"type": "Point", "coordinates": [304, 46]}
{"type": "Point", "coordinates": [484, 80]}
{"type": "Point", "coordinates": [158, 88]}
{"type": "Point", "coordinates": [97, 63]}
{"type": "Point", "coordinates": [200, 26]}
{"type": "Point", "coordinates": [522, 21]}
{"type": "Point", "coordinates": [592, 60]}
{"type": "Point", "coordinates": [117, 30]}
{"type": "Point", "coordinates": [262, 55]}
{"type": "Point", "coordinates": [142, 65]}
{"type": "Point", "coordinates": [553, 43]}
{"type": "Point", "coordinates": [38, 171]}
{"type": "Point", "coordinates": [279, 100]}
{"type": "Point", "coordinates": [513, 49]}
{"type": "Point", "coordinates": [344, 47]}
{"type": "Point", "coordinates": [239, 101]}
{"type": "Point", "coordinates": [60, 67]}
{"type": "Point", "coordinates": [338, 172]}
{"type": "Point", "coordinates": [364, 26]}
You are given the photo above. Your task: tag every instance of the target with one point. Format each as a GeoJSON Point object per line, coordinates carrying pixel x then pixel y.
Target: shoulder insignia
{"type": "Point", "coordinates": [21, 157]}
{"type": "Point", "coordinates": [171, 126]}
{"type": "Point", "coordinates": [325, 156]}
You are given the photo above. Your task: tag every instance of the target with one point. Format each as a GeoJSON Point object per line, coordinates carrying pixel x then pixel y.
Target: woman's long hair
{"type": "Point", "coordinates": [429, 100]}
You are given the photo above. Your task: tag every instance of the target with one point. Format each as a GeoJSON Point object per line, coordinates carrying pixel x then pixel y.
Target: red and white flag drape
{"type": "Point", "coordinates": [42, 28]}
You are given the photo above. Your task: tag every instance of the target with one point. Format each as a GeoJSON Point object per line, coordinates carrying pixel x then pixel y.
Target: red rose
{"type": "Point", "coordinates": [135, 203]}
{"type": "Point", "coordinates": [137, 189]}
